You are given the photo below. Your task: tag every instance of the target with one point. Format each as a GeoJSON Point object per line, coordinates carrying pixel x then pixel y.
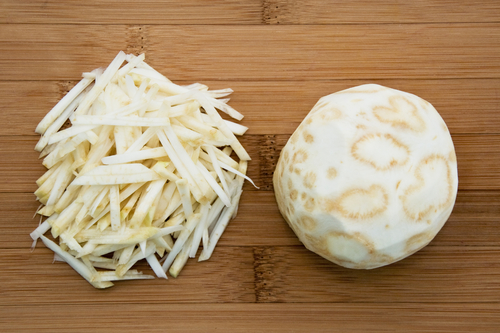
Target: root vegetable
{"type": "Point", "coordinates": [143, 170]}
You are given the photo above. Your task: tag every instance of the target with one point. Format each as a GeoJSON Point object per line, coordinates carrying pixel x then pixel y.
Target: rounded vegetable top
{"type": "Point", "coordinates": [369, 177]}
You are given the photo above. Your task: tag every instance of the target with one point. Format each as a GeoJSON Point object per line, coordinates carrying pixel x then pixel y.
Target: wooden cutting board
{"type": "Point", "coordinates": [279, 57]}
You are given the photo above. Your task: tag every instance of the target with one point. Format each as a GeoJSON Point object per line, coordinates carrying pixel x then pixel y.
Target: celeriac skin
{"type": "Point", "coordinates": [369, 177]}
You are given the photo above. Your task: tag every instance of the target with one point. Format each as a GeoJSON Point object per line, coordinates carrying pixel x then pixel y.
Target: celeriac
{"type": "Point", "coordinates": [144, 172]}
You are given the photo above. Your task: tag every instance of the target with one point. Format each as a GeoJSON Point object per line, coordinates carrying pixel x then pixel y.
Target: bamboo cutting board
{"type": "Point", "coordinates": [279, 57]}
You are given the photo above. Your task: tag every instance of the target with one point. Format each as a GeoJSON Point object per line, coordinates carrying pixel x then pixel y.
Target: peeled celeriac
{"type": "Point", "coordinates": [369, 177]}
{"type": "Point", "coordinates": [144, 172]}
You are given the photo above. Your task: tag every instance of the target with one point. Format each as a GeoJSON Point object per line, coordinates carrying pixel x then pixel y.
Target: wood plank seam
{"type": "Point", "coordinates": [269, 154]}
{"type": "Point", "coordinates": [291, 52]}
{"type": "Point", "coordinates": [263, 272]}
{"type": "Point", "coordinates": [137, 39]}
{"type": "Point", "coordinates": [273, 11]}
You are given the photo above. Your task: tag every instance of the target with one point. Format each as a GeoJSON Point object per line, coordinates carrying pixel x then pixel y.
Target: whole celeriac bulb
{"type": "Point", "coordinates": [369, 177]}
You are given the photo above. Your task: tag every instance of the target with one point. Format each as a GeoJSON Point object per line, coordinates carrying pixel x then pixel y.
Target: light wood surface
{"type": "Point", "coordinates": [279, 57]}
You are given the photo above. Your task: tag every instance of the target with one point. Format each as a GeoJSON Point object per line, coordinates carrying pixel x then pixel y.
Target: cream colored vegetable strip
{"type": "Point", "coordinates": [135, 156]}
{"type": "Point", "coordinates": [108, 119]}
{"type": "Point", "coordinates": [123, 195]}
{"type": "Point", "coordinates": [130, 275]}
{"type": "Point", "coordinates": [114, 206]}
{"type": "Point", "coordinates": [238, 173]}
{"type": "Point", "coordinates": [236, 128]}
{"type": "Point", "coordinates": [184, 109]}
{"type": "Point", "coordinates": [59, 122]}
{"type": "Point", "coordinates": [101, 83]}
{"type": "Point", "coordinates": [138, 255]}
{"type": "Point", "coordinates": [42, 228]}
{"type": "Point", "coordinates": [181, 258]}
{"type": "Point", "coordinates": [156, 266]}
{"type": "Point", "coordinates": [65, 218]}
{"type": "Point", "coordinates": [77, 129]}
{"type": "Point", "coordinates": [80, 156]}
{"type": "Point", "coordinates": [130, 85]}
{"type": "Point", "coordinates": [99, 202]}
{"type": "Point", "coordinates": [183, 189]}
{"type": "Point", "coordinates": [67, 198]}
{"type": "Point", "coordinates": [222, 157]}
{"type": "Point", "coordinates": [191, 223]}
{"type": "Point", "coordinates": [143, 212]}
{"type": "Point", "coordinates": [213, 183]}
{"type": "Point", "coordinates": [186, 135]}
{"type": "Point", "coordinates": [71, 243]}
{"type": "Point", "coordinates": [40, 181]}
{"type": "Point", "coordinates": [69, 132]}
{"type": "Point", "coordinates": [142, 140]}
{"type": "Point", "coordinates": [68, 147]}
{"type": "Point", "coordinates": [225, 216]}
{"type": "Point", "coordinates": [87, 197]}
{"type": "Point", "coordinates": [133, 61]}
{"type": "Point", "coordinates": [72, 261]}
{"type": "Point", "coordinates": [61, 106]}
{"type": "Point", "coordinates": [219, 93]}
{"type": "Point", "coordinates": [126, 254]}
{"type": "Point", "coordinates": [167, 172]}
{"type": "Point", "coordinates": [99, 150]}
{"type": "Point", "coordinates": [187, 161]}
{"type": "Point", "coordinates": [156, 78]}
{"type": "Point", "coordinates": [130, 204]}
{"type": "Point", "coordinates": [216, 166]}
{"type": "Point", "coordinates": [172, 205]}
{"type": "Point", "coordinates": [206, 130]}
{"type": "Point", "coordinates": [198, 232]}
{"type": "Point", "coordinates": [125, 236]}
{"type": "Point", "coordinates": [122, 236]}
{"type": "Point", "coordinates": [63, 179]}
{"type": "Point", "coordinates": [45, 189]}
{"type": "Point", "coordinates": [117, 174]}
{"type": "Point", "coordinates": [162, 245]}
{"type": "Point", "coordinates": [225, 108]}
{"type": "Point", "coordinates": [179, 165]}
{"type": "Point", "coordinates": [236, 145]}
{"type": "Point", "coordinates": [120, 121]}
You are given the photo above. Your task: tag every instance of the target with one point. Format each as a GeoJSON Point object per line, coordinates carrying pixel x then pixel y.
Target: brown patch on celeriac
{"type": "Point", "coordinates": [307, 223]}
{"type": "Point", "coordinates": [310, 179]}
{"type": "Point", "coordinates": [419, 184]}
{"type": "Point", "coordinates": [397, 117]}
{"type": "Point", "coordinates": [331, 173]}
{"type": "Point", "coordinates": [310, 204]}
{"type": "Point", "coordinates": [368, 139]}
{"type": "Point", "coordinates": [300, 156]}
{"type": "Point", "coordinates": [308, 138]}
{"type": "Point", "coordinates": [375, 196]}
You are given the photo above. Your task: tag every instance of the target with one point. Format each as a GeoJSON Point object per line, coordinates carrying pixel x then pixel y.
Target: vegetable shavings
{"type": "Point", "coordinates": [143, 172]}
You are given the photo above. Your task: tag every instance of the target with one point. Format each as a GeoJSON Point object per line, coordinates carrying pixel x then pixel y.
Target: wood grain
{"type": "Point", "coordinates": [132, 12]}
{"type": "Point", "coordinates": [228, 279]}
{"type": "Point", "coordinates": [278, 107]}
{"type": "Point", "coordinates": [477, 156]}
{"type": "Point", "coordinates": [259, 222]}
{"type": "Point", "coordinates": [280, 57]}
{"type": "Point", "coordinates": [247, 12]}
{"type": "Point", "coordinates": [294, 275]}
{"type": "Point", "coordinates": [287, 274]}
{"type": "Point", "coordinates": [312, 52]}
{"type": "Point", "coordinates": [242, 318]}
{"type": "Point", "coordinates": [383, 12]}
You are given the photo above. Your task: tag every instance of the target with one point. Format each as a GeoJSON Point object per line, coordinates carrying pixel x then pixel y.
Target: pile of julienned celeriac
{"type": "Point", "coordinates": [143, 172]}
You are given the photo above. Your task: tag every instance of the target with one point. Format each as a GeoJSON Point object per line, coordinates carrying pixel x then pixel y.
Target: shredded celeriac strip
{"type": "Point", "coordinates": [143, 172]}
